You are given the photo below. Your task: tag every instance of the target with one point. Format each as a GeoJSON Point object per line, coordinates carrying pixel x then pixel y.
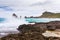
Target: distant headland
{"type": "Point", "coordinates": [50, 15]}
{"type": "Point", "coordinates": [47, 15]}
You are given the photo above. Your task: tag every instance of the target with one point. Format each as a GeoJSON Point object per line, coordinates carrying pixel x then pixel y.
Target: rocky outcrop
{"type": "Point", "coordinates": [34, 31]}
{"type": "Point", "coordinates": [14, 15]}
{"type": "Point", "coordinates": [27, 32]}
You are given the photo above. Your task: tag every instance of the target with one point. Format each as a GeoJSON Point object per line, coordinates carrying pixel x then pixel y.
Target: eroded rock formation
{"type": "Point", "coordinates": [34, 31]}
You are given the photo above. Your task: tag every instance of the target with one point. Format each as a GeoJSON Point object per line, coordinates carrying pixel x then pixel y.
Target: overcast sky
{"type": "Point", "coordinates": [28, 7]}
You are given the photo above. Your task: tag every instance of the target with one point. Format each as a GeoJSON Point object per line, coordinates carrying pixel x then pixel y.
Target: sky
{"type": "Point", "coordinates": [28, 7]}
{"type": "Point", "coordinates": [25, 8]}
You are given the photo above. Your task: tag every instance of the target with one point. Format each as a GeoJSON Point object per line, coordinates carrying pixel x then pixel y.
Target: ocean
{"type": "Point", "coordinates": [2, 20]}
{"type": "Point", "coordinates": [37, 20]}
{"type": "Point", "coordinates": [10, 25]}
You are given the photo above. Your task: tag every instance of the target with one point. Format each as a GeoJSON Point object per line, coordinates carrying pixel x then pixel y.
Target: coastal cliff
{"type": "Point", "coordinates": [50, 15]}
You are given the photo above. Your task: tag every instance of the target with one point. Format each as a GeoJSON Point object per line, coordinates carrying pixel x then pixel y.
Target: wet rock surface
{"type": "Point", "coordinates": [34, 31]}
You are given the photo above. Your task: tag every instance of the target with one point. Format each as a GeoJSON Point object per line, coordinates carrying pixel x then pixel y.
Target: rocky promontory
{"type": "Point", "coordinates": [47, 15]}
{"type": "Point", "coordinates": [50, 15]}
{"type": "Point", "coordinates": [34, 31]}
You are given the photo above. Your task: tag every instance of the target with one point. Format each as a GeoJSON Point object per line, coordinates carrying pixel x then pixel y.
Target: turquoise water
{"type": "Point", "coordinates": [32, 20]}
{"type": "Point", "coordinates": [2, 20]}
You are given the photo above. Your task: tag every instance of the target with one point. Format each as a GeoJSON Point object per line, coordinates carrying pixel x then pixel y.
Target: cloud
{"type": "Point", "coordinates": [30, 7]}
{"type": "Point", "coordinates": [41, 3]}
{"type": "Point", "coordinates": [6, 8]}
{"type": "Point", "coordinates": [49, 2]}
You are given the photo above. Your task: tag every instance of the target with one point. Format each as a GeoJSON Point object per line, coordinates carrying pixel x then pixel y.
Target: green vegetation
{"type": "Point", "coordinates": [50, 15]}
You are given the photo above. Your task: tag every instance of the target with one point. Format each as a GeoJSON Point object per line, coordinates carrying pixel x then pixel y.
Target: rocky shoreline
{"type": "Point", "coordinates": [34, 31]}
{"type": "Point", "coordinates": [46, 14]}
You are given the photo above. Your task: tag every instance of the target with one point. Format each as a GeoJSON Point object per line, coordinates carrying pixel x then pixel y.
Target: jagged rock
{"type": "Point", "coordinates": [14, 15]}
{"type": "Point", "coordinates": [34, 32]}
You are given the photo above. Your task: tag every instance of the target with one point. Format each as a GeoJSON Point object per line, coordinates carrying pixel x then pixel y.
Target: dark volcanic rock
{"type": "Point", "coordinates": [14, 15]}
{"type": "Point", "coordinates": [34, 31]}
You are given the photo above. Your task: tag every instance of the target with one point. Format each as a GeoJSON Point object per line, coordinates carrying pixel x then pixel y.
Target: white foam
{"type": "Point", "coordinates": [12, 24]}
